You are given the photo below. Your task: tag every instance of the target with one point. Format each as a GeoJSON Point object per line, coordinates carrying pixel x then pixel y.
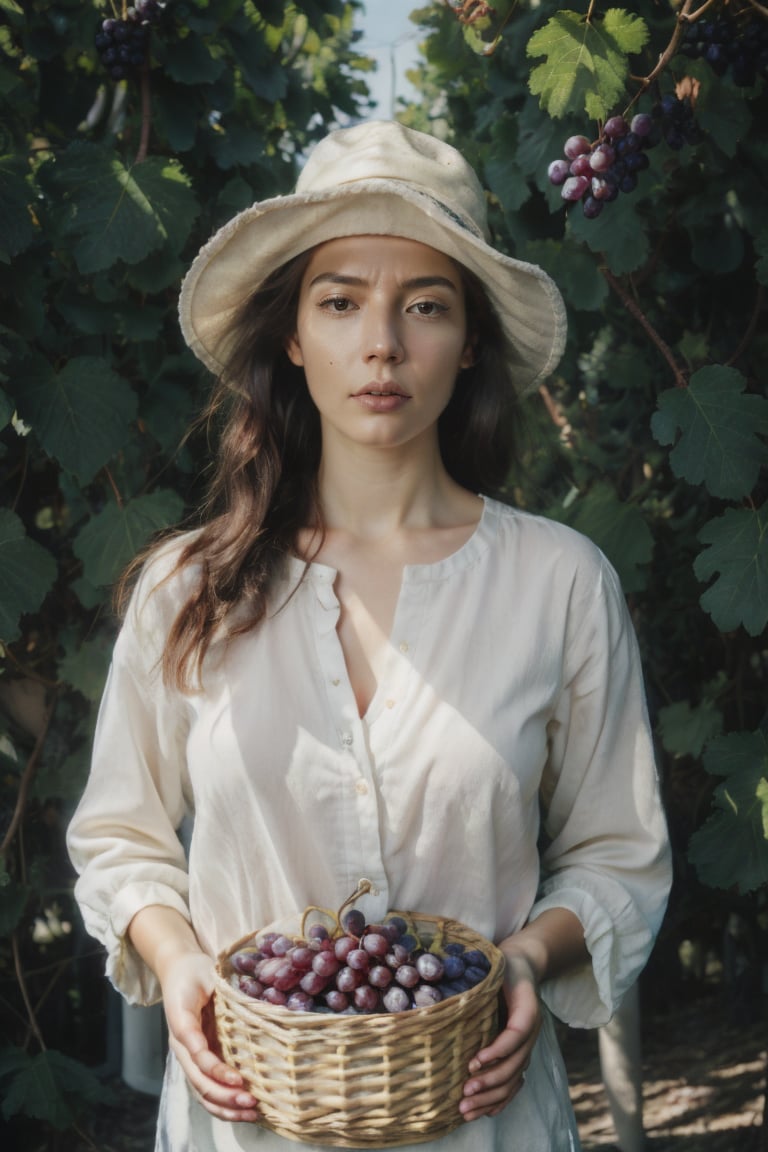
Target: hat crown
{"type": "Point", "coordinates": [387, 150]}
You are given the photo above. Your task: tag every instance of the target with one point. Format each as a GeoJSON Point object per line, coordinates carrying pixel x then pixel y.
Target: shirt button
{"type": "Point", "coordinates": [403, 647]}
{"type": "Point", "coordinates": [346, 738]}
{"type": "Point", "coordinates": [336, 682]}
{"type": "Point", "coordinates": [361, 788]}
{"type": "Point", "coordinates": [390, 703]}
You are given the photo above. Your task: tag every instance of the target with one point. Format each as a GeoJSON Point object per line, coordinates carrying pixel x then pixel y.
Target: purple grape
{"type": "Point", "coordinates": [454, 967]}
{"type": "Point", "coordinates": [287, 977]}
{"type": "Point", "coordinates": [574, 188]}
{"type": "Point", "coordinates": [576, 146]}
{"type": "Point", "coordinates": [396, 999]}
{"type": "Point", "coordinates": [375, 944]}
{"type": "Point", "coordinates": [397, 956]}
{"type": "Point", "coordinates": [274, 996]}
{"type": "Point", "coordinates": [343, 946]}
{"type": "Point", "coordinates": [407, 976]}
{"type": "Point", "coordinates": [313, 983]}
{"type": "Point", "coordinates": [430, 967]}
{"type": "Point", "coordinates": [592, 207]}
{"type": "Point", "coordinates": [426, 995]}
{"type": "Point", "coordinates": [317, 932]}
{"type": "Point", "coordinates": [300, 1002]}
{"type": "Point", "coordinates": [250, 986]}
{"type": "Point", "coordinates": [380, 976]}
{"type": "Point", "coordinates": [581, 166]}
{"type": "Point", "coordinates": [474, 973]}
{"type": "Point", "coordinates": [558, 172]}
{"type": "Point", "coordinates": [455, 948]}
{"type": "Point", "coordinates": [325, 964]}
{"type": "Point", "coordinates": [336, 1001]}
{"type": "Point", "coordinates": [301, 958]}
{"type": "Point", "coordinates": [615, 127]}
{"type": "Point", "coordinates": [399, 924]}
{"type": "Point", "coordinates": [245, 961]}
{"type": "Point", "coordinates": [641, 124]}
{"type": "Point", "coordinates": [359, 959]}
{"type": "Point", "coordinates": [366, 999]}
{"type": "Point", "coordinates": [602, 158]}
{"type": "Point", "coordinates": [353, 922]}
{"type": "Point", "coordinates": [348, 979]}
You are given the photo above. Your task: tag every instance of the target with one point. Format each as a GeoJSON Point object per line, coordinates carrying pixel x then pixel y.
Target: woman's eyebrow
{"type": "Point", "coordinates": [360, 282]}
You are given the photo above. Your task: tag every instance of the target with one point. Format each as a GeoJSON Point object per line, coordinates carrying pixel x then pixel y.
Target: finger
{"type": "Point", "coordinates": [215, 1095]}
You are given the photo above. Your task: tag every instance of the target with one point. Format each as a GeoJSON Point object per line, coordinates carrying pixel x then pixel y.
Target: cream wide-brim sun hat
{"type": "Point", "coordinates": [376, 178]}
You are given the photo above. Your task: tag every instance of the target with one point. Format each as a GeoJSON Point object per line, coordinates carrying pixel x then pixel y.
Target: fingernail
{"type": "Point", "coordinates": [244, 1100]}
{"type": "Point", "coordinates": [475, 1065]}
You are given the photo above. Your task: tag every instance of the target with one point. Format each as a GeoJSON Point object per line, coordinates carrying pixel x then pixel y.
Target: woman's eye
{"type": "Point", "coordinates": [428, 308]}
{"type": "Point", "coordinates": [337, 304]}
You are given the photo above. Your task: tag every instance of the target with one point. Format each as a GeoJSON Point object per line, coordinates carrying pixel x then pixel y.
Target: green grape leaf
{"type": "Point", "coordinates": [27, 572]}
{"type": "Point", "coordinates": [619, 530]}
{"type": "Point", "coordinates": [80, 415]}
{"type": "Point", "coordinates": [111, 539]}
{"type": "Point", "coordinates": [113, 213]}
{"type": "Point", "coordinates": [261, 69]}
{"type": "Point", "coordinates": [503, 176]}
{"type": "Point", "coordinates": [574, 270]}
{"type": "Point", "coordinates": [731, 848]}
{"type": "Point", "coordinates": [738, 551]}
{"type": "Point", "coordinates": [16, 228]}
{"type": "Point", "coordinates": [587, 61]}
{"type": "Point", "coordinates": [685, 729]}
{"type": "Point", "coordinates": [51, 1087]}
{"type": "Point", "coordinates": [85, 666]}
{"type": "Point", "coordinates": [719, 425]}
{"type": "Point", "coordinates": [619, 236]}
{"type": "Point", "coordinates": [189, 61]}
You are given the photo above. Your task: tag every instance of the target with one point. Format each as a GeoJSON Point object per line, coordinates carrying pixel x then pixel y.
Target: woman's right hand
{"type": "Point", "coordinates": [187, 990]}
{"type": "Point", "coordinates": [167, 943]}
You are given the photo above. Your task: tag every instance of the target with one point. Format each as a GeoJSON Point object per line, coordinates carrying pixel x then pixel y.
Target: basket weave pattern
{"type": "Point", "coordinates": [360, 1081]}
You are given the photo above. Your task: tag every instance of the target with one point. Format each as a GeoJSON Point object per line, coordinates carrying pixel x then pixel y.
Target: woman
{"type": "Point", "coordinates": [358, 666]}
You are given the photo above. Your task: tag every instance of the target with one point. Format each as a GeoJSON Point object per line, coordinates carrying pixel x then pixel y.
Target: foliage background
{"type": "Point", "coordinates": [650, 438]}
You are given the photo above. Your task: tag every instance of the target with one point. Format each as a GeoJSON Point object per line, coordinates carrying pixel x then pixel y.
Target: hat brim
{"type": "Point", "coordinates": [242, 254]}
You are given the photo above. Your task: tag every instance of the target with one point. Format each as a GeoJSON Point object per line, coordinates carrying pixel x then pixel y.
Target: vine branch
{"type": "Point", "coordinates": [635, 310]}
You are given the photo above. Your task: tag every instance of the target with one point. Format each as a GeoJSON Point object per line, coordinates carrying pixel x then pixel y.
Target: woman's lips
{"type": "Point", "coordinates": [381, 397]}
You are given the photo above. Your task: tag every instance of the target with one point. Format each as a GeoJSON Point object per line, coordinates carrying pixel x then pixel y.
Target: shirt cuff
{"type": "Point", "coordinates": [134, 979]}
{"type": "Point", "coordinates": [619, 943]}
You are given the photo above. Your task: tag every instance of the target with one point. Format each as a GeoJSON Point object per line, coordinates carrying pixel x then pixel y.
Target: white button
{"type": "Point", "coordinates": [361, 788]}
{"type": "Point", "coordinates": [336, 682]}
{"type": "Point", "coordinates": [390, 703]}
{"type": "Point", "coordinates": [346, 738]}
{"type": "Point", "coordinates": [403, 647]}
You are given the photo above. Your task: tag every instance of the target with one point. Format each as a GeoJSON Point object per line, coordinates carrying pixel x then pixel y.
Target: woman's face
{"type": "Point", "coordinates": [381, 334]}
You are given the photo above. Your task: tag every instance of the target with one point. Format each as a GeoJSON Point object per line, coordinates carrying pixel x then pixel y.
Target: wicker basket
{"type": "Point", "coordinates": [361, 1081]}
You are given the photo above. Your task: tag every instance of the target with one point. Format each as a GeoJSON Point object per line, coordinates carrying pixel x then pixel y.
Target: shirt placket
{"type": "Point", "coordinates": [359, 794]}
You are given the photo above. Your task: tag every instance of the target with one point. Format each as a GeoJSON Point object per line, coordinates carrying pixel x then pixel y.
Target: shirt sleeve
{"type": "Point", "coordinates": [123, 837]}
{"type": "Point", "coordinates": [606, 854]}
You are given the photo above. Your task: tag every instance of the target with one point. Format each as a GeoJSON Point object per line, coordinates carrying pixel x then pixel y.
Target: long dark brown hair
{"type": "Point", "coordinates": [263, 488]}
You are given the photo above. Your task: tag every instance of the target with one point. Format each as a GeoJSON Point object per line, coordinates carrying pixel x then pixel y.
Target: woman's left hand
{"type": "Point", "coordinates": [498, 1071]}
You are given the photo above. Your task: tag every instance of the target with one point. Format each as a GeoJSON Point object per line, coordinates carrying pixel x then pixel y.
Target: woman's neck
{"type": "Point", "coordinates": [378, 493]}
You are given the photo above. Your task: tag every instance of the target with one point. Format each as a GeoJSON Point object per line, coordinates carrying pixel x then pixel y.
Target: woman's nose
{"type": "Point", "coordinates": [382, 339]}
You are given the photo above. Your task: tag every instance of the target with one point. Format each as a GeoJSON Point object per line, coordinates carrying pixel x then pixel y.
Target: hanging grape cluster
{"type": "Point", "coordinates": [597, 172]}
{"type": "Point", "coordinates": [123, 43]}
{"type": "Point", "coordinates": [735, 40]}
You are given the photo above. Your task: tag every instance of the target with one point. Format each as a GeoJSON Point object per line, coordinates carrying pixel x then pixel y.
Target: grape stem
{"type": "Point", "coordinates": [759, 8]}
{"type": "Point", "coordinates": [634, 309]}
{"type": "Point", "coordinates": [684, 17]}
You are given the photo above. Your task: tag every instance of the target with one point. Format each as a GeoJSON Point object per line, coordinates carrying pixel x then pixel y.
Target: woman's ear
{"type": "Point", "coordinates": [293, 351]}
{"type": "Point", "coordinates": [468, 356]}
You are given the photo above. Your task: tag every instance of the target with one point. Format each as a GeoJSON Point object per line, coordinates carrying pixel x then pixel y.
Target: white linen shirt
{"type": "Point", "coordinates": [504, 766]}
